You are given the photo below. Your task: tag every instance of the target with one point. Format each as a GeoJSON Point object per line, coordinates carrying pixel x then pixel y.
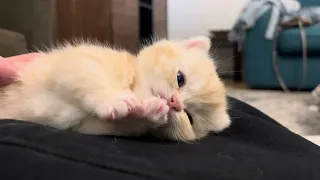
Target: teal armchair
{"type": "Point", "coordinates": [257, 54]}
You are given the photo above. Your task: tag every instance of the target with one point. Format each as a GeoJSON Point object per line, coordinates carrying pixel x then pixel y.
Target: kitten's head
{"type": "Point", "coordinates": [185, 71]}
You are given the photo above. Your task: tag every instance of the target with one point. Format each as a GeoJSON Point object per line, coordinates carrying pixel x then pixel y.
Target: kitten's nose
{"type": "Point", "coordinates": [174, 103]}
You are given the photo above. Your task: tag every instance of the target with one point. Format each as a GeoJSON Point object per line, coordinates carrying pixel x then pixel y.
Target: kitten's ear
{"type": "Point", "coordinates": [199, 42]}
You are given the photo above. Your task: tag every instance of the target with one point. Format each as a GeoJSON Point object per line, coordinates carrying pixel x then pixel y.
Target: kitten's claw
{"type": "Point", "coordinates": [112, 115]}
{"type": "Point", "coordinates": [136, 109]}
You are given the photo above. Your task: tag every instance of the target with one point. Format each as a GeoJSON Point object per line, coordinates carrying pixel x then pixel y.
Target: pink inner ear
{"type": "Point", "coordinates": [195, 44]}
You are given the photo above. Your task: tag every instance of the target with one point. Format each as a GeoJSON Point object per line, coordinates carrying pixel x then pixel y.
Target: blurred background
{"type": "Point", "coordinates": [267, 52]}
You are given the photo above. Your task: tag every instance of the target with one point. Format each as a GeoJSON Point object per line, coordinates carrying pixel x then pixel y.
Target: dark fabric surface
{"type": "Point", "coordinates": [254, 147]}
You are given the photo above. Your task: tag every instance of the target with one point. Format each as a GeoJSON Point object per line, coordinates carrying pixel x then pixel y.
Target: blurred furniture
{"type": "Point", "coordinates": [258, 69]}
{"type": "Point", "coordinates": [24, 20]}
{"type": "Point", "coordinates": [45, 23]}
{"type": "Point", "coordinates": [12, 43]}
{"type": "Point", "coordinates": [116, 22]}
{"type": "Point", "coordinates": [226, 54]}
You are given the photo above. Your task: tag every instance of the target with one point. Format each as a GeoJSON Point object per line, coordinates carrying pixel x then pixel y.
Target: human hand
{"type": "Point", "coordinates": [9, 68]}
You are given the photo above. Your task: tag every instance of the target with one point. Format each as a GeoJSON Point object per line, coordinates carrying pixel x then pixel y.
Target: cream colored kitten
{"type": "Point", "coordinates": [183, 70]}
{"type": "Point", "coordinates": [97, 90]}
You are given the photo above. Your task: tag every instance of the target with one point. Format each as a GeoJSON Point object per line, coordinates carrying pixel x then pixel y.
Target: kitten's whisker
{"type": "Point", "coordinates": [214, 49]}
{"type": "Point", "coordinates": [228, 131]}
{"type": "Point", "coordinates": [235, 117]}
{"type": "Point", "coordinates": [230, 71]}
{"type": "Point", "coordinates": [229, 58]}
{"type": "Point", "coordinates": [218, 61]}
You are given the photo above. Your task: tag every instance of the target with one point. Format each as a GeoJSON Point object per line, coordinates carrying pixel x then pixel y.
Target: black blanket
{"type": "Point", "coordinates": [254, 147]}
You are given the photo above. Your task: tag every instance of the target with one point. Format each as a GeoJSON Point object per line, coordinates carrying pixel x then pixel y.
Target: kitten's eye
{"type": "Point", "coordinates": [189, 116]}
{"type": "Point", "coordinates": [180, 79]}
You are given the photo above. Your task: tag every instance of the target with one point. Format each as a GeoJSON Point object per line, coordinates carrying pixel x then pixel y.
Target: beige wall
{"type": "Point", "coordinates": [196, 17]}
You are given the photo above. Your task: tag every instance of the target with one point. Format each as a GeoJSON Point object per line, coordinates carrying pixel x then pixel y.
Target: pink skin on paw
{"type": "Point", "coordinates": [122, 107]}
{"type": "Point", "coordinates": [9, 69]}
{"type": "Point", "coordinates": [136, 109]}
{"type": "Point", "coordinates": [156, 110]}
{"type": "Point", "coordinates": [117, 108]}
{"type": "Point", "coordinates": [153, 109]}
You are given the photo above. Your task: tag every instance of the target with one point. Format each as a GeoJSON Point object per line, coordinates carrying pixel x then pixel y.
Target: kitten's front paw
{"type": "Point", "coordinates": [156, 110]}
{"type": "Point", "coordinates": [124, 105]}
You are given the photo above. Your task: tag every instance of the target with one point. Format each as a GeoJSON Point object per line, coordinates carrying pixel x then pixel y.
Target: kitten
{"type": "Point", "coordinates": [94, 89]}
{"type": "Point", "coordinates": [183, 72]}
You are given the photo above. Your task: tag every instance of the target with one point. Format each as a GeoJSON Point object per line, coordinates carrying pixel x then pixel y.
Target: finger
{"type": "Point", "coordinates": [7, 70]}
{"type": "Point", "coordinates": [22, 58]}
{"type": "Point", "coordinates": [8, 66]}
